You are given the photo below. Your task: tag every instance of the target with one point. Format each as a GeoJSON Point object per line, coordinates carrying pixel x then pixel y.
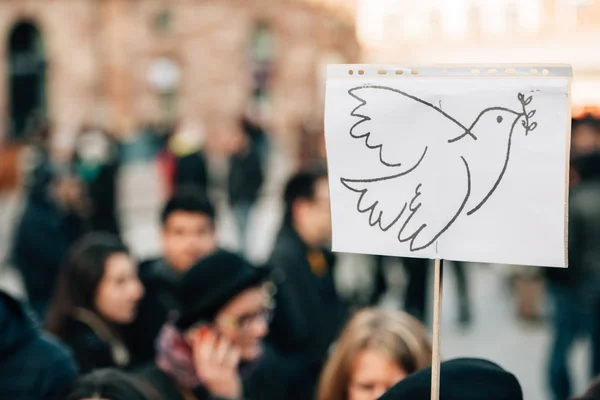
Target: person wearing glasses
{"type": "Point", "coordinates": [213, 349]}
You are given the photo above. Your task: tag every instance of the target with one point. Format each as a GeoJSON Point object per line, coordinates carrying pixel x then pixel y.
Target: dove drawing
{"type": "Point", "coordinates": [419, 145]}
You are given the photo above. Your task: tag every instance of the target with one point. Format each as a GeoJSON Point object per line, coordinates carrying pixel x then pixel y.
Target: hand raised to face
{"type": "Point", "coordinates": [216, 362]}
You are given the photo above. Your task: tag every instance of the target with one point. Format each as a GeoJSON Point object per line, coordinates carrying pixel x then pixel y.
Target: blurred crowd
{"type": "Point", "coordinates": [203, 322]}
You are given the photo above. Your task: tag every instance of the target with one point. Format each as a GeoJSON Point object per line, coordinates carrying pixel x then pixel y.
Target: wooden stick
{"type": "Point", "coordinates": [437, 328]}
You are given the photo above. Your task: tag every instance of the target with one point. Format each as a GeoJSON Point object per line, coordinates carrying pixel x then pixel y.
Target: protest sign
{"type": "Point", "coordinates": [450, 163]}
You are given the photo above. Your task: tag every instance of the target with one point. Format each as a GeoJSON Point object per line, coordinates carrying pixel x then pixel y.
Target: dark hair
{"type": "Point", "coordinates": [110, 384]}
{"type": "Point", "coordinates": [301, 186]}
{"type": "Point", "coordinates": [80, 277]}
{"type": "Point", "coordinates": [593, 392]}
{"type": "Point", "coordinates": [188, 199]}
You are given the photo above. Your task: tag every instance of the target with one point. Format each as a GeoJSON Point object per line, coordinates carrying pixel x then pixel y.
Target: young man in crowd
{"type": "Point", "coordinates": [188, 234]}
{"type": "Point", "coordinates": [32, 365]}
{"type": "Point", "coordinates": [309, 313]}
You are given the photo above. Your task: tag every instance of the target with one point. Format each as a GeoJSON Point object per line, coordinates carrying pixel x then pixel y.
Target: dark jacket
{"type": "Point", "coordinates": [33, 366]}
{"type": "Point", "coordinates": [94, 346]}
{"type": "Point", "coordinates": [42, 241]}
{"type": "Point", "coordinates": [191, 170]}
{"type": "Point", "coordinates": [166, 387]}
{"type": "Point", "coordinates": [159, 301]}
{"type": "Point", "coordinates": [245, 177]}
{"type": "Point", "coordinates": [268, 380]}
{"type": "Point", "coordinates": [103, 194]}
{"type": "Point", "coordinates": [309, 314]}
{"type": "Point", "coordinates": [584, 228]}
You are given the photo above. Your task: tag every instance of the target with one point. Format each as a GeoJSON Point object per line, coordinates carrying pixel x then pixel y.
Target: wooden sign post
{"type": "Point", "coordinates": [463, 163]}
{"type": "Point", "coordinates": [437, 328]}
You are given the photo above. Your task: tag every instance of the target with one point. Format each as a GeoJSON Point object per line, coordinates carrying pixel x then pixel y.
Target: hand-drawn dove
{"type": "Point", "coordinates": [412, 209]}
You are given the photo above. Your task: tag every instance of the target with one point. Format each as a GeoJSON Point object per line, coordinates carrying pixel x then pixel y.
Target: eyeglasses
{"type": "Point", "coordinates": [244, 322]}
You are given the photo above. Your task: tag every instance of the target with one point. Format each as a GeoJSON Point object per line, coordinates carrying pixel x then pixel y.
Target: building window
{"type": "Point", "coordinates": [262, 58]}
{"type": "Point", "coordinates": [27, 77]}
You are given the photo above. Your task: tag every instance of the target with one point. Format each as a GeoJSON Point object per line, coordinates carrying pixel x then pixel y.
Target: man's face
{"type": "Point", "coordinates": [187, 237]}
{"type": "Point", "coordinates": [244, 321]}
{"type": "Point", "coordinates": [585, 139]}
{"type": "Point", "coordinates": [70, 194]}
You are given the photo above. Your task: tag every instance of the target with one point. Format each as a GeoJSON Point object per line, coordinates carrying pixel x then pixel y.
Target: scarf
{"type": "Point", "coordinates": [174, 357]}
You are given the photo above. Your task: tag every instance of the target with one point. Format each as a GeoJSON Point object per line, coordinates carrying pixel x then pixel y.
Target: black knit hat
{"type": "Point", "coordinates": [212, 283]}
{"type": "Point", "coordinates": [460, 379]}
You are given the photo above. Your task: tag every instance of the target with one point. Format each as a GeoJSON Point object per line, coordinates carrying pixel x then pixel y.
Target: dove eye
{"type": "Point", "coordinates": [499, 118]}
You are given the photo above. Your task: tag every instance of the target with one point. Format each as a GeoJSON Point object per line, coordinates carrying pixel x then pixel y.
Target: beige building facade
{"type": "Point", "coordinates": [125, 63]}
{"type": "Point", "coordinates": [482, 31]}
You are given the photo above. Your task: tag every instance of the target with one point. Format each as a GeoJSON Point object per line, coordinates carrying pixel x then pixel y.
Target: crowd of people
{"type": "Point", "coordinates": [202, 322]}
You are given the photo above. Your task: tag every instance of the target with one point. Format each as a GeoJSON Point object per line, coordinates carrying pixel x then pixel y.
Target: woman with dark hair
{"type": "Point", "coordinates": [98, 293]}
{"type": "Point", "coordinates": [110, 384]}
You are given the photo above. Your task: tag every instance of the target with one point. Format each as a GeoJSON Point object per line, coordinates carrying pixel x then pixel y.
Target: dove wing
{"type": "Point", "coordinates": [399, 125]}
{"type": "Point", "coordinates": [418, 204]}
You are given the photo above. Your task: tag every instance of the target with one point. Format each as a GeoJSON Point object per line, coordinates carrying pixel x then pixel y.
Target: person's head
{"type": "Point", "coordinates": [227, 293]}
{"type": "Point", "coordinates": [99, 276]}
{"type": "Point", "coordinates": [593, 392]}
{"type": "Point", "coordinates": [585, 136]}
{"type": "Point", "coordinates": [462, 379]}
{"type": "Point", "coordinates": [188, 228]}
{"type": "Point", "coordinates": [235, 138]}
{"type": "Point", "coordinates": [68, 191]}
{"type": "Point", "coordinates": [376, 349]}
{"type": "Point", "coordinates": [307, 206]}
{"type": "Point", "coordinates": [110, 384]}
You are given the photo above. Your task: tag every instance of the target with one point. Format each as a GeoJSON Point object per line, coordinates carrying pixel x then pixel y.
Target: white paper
{"type": "Point", "coordinates": [445, 164]}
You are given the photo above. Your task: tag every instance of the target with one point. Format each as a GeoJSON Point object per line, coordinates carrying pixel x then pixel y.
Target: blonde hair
{"type": "Point", "coordinates": [394, 334]}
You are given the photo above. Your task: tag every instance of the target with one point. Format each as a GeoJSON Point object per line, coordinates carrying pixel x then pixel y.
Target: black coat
{"type": "Point", "coordinates": [309, 314]}
{"type": "Point", "coordinates": [92, 346]}
{"type": "Point", "coordinates": [160, 282]}
{"type": "Point", "coordinates": [103, 194]}
{"type": "Point", "coordinates": [584, 235]}
{"type": "Point", "coordinates": [42, 241]}
{"type": "Point", "coordinates": [33, 366]}
{"type": "Point", "coordinates": [166, 387]}
{"type": "Point", "coordinates": [191, 170]}
{"type": "Point", "coordinates": [245, 177]}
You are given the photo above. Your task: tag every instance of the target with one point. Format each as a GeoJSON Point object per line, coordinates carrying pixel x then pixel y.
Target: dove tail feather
{"type": "Point", "coordinates": [371, 209]}
{"type": "Point", "coordinates": [414, 209]}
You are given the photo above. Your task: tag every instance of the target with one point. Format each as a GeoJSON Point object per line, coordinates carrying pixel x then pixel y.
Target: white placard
{"type": "Point", "coordinates": [459, 163]}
